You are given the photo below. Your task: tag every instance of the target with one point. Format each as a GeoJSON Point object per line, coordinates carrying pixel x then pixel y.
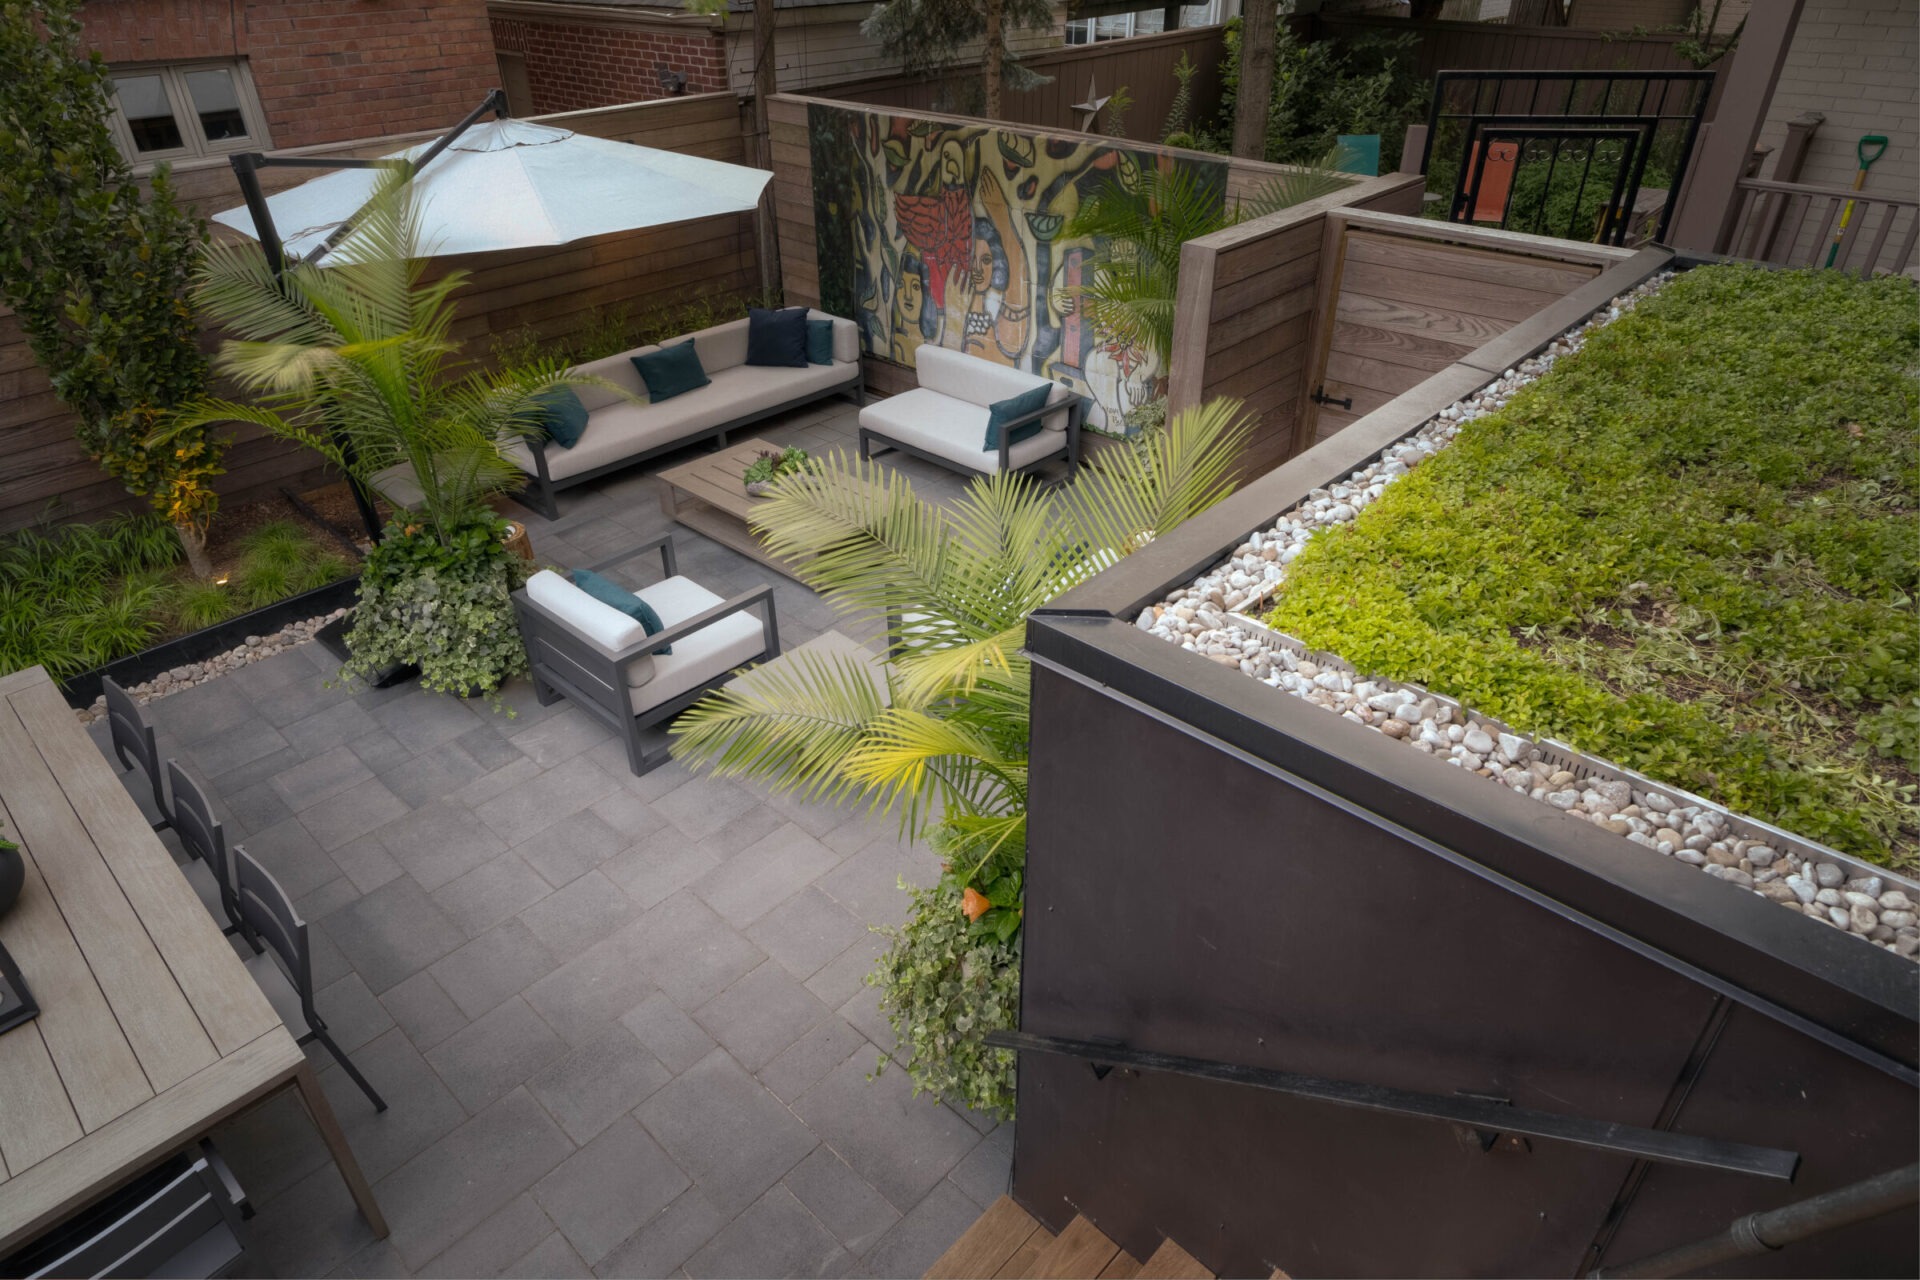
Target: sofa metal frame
{"type": "Point", "coordinates": [541, 491]}
{"type": "Point", "coordinates": [1076, 406]}
{"type": "Point", "coordinates": [566, 664]}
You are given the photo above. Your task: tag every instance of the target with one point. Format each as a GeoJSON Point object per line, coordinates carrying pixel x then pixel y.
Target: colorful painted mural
{"type": "Point", "coordinates": [932, 232]}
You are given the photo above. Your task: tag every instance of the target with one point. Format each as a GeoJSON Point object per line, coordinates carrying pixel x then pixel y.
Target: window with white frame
{"type": "Point", "coordinates": [186, 110]}
{"type": "Point", "coordinates": [1144, 22]}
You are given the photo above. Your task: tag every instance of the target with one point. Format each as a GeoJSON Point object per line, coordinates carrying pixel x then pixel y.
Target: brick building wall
{"type": "Point", "coordinates": [325, 70]}
{"type": "Point", "coordinates": [573, 64]}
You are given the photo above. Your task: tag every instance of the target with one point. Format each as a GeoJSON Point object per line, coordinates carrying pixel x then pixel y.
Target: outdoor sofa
{"type": "Point", "coordinates": [604, 661]}
{"type": "Point", "coordinates": [621, 432]}
{"type": "Point", "coordinates": [944, 418]}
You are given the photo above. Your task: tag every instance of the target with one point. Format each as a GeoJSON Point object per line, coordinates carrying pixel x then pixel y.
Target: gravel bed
{"type": "Point", "coordinates": [1213, 618]}
{"type": "Point", "coordinates": [254, 649]}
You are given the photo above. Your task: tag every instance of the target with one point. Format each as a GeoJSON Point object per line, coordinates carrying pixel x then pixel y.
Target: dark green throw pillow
{"type": "Point", "coordinates": [671, 371]}
{"type": "Point", "coordinates": [609, 592]}
{"type": "Point", "coordinates": [819, 342]}
{"type": "Point", "coordinates": [562, 415]}
{"type": "Point", "coordinates": [1004, 411]}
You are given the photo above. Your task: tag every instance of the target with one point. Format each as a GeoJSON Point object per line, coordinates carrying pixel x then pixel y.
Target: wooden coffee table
{"type": "Point", "coordinates": [709, 496]}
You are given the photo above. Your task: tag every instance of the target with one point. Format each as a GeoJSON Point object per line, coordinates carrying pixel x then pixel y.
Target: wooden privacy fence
{"type": "Point", "coordinates": [1143, 64]}
{"type": "Point", "coordinates": [1489, 46]}
{"type": "Point", "coordinates": [1354, 303]}
{"type": "Point", "coordinates": [1797, 225]}
{"type": "Point", "coordinates": [551, 292]}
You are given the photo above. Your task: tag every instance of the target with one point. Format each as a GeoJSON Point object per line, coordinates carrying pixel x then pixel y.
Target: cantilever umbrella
{"type": "Point", "coordinates": [514, 184]}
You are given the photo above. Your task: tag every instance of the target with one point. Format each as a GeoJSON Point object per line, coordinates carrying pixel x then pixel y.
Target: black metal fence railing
{"type": "Point", "coordinates": [1579, 155]}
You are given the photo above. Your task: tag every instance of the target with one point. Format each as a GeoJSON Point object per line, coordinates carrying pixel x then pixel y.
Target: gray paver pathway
{"type": "Point", "coordinates": [619, 1021]}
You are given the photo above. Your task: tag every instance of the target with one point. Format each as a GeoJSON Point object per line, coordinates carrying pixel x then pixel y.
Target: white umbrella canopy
{"type": "Point", "coordinates": [514, 184]}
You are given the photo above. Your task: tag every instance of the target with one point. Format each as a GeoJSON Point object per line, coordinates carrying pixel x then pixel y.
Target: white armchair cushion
{"type": "Point", "coordinates": [846, 336]}
{"type": "Point", "coordinates": [982, 382]}
{"type": "Point", "coordinates": [580, 612]}
{"type": "Point", "coordinates": [708, 653]}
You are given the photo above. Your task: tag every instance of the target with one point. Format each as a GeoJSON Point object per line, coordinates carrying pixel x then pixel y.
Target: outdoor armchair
{"type": "Point", "coordinates": [602, 660]}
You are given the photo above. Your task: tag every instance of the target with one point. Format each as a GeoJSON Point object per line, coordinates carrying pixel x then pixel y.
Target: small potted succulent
{"type": "Point", "coordinates": [769, 467]}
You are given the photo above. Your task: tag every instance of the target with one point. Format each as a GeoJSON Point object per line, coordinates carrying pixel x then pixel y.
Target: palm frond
{"type": "Point", "coordinates": [1301, 183]}
{"type": "Point", "coordinates": [1188, 467]}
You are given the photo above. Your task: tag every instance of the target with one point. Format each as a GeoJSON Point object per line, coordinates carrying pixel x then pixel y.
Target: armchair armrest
{"type": "Point", "coordinates": [1071, 404]}
{"type": "Point", "coordinates": [669, 559]}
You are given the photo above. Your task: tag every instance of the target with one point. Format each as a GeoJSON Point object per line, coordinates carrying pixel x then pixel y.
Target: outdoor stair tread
{"type": "Point", "coordinates": [1079, 1251]}
{"type": "Point", "coordinates": [996, 1238]}
{"type": "Point", "coordinates": [1123, 1267]}
{"type": "Point", "coordinates": [1020, 1265]}
{"type": "Point", "coordinates": [1171, 1262]}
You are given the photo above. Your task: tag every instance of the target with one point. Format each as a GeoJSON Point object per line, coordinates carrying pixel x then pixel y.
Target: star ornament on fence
{"type": "Point", "coordinates": [1090, 109]}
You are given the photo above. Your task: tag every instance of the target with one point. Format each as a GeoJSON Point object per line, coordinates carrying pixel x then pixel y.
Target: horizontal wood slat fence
{"type": "Point", "coordinates": [1143, 64]}
{"type": "Point", "coordinates": [1492, 46]}
{"type": "Point", "coordinates": [1357, 301]}
{"type": "Point", "coordinates": [44, 475]}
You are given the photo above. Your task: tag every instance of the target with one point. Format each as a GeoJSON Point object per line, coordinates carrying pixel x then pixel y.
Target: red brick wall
{"type": "Point", "coordinates": [572, 67]}
{"type": "Point", "coordinates": [325, 70]}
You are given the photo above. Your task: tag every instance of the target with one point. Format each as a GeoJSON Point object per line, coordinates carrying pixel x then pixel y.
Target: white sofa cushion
{"type": "Point", "coordinates": [983, 382]}
{"type": "Point", "coordinates": [953, 429]}
{"type": "Point", "coordinates": [594, 619]}
{"type": "Point", "coordinates": [619, 371]}
{"type": "Point", "coordinates": [722, 346]}
{"type": "Point", "coordinates": [708, 653]}
{"type": "Point", "coordinates": [623, 430]}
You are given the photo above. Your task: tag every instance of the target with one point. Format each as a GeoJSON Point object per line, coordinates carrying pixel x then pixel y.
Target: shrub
{"type": "Point", "coordinates": [1363, 84]}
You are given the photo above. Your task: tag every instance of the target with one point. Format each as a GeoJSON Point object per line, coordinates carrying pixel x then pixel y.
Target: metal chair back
{"type": "Point", "coordinates": [201, 834]}
{"type": "Point", "coordinates": [180, 1222]}
{"type": "Point", "coordinates": [134, 743]}
{"type": "Point", "coordinates": [267, 914]}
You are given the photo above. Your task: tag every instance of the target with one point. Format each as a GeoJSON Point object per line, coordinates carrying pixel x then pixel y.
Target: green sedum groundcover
{"type": "Point", "coordinates": [1692, 548]}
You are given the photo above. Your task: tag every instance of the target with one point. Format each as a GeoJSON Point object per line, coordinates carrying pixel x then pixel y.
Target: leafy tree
{"type": "Point", "coordinates": [928, 35]}
{"type": "Point", "coordinates": [946, 734]}
{"type": "Point", "coordinates": [1136, 280]}
{"type": "Point", "coordinates": [99, 276]}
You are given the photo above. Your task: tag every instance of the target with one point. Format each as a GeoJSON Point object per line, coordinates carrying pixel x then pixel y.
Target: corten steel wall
{"type": "Point", "coordinates": [602, 57]}
{"type": "Point", "coordinates": [1219, 871]}
{"type": "Point", "coordinates": [326, 70]}
{"type": "Point", "coordinates": [1142, 64]}
{"type": "Point", "coordinates": [45, 476]}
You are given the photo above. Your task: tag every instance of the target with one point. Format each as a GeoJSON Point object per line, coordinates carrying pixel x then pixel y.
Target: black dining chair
{"type": "Point", "coordinates": [180, 1219]}
{"type": "Point", "coordinates": [205, 842]}
{"type": "Point", "coordinates": [134, 743]}
{"type": "Point", "coordinates": [285, 969]}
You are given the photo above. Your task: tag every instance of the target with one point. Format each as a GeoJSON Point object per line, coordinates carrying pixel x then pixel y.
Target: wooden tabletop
{"type": "Point", "coordinates": [716, 478]}
{"type": "Point", "coordinates": [150, 1031]}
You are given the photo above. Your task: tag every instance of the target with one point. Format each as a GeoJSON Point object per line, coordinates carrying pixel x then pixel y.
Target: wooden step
{"type": "Point", "coordinates": [1003, 1235]}
{"type": "Point", "coordinates": [1080, 1251]}
{"type": "Point", "coordinates": [1171, 1262]}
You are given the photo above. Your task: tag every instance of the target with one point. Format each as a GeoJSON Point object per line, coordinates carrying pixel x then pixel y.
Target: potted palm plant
{"type": "Point", "coordinates": [953, 588]}
{"type": "Point", "coordinates": [356, 360]}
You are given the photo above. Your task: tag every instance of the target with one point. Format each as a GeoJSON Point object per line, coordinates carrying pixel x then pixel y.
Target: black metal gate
{"type": "Point", "coordinates": [1579, 155]}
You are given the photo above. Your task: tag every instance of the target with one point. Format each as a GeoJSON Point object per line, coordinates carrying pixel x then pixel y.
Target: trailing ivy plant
{"type": "Point", "coordinates": [100, 276]}
{"type": "Point", "coordinates": [1693, 549]}
{"type": "Point", "coordinates": [438, 599]}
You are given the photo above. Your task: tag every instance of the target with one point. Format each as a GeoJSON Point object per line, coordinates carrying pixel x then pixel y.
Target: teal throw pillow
{"type": "Point", "coordinates": [819, 342]}
{"type": "Point", "coordinates": [608, 592]}
{"type": "Point", "coordinates": [671, 371]}
{"type": "Point", "coordinates": [1019, 406]}
{"type": "Point", "coordinates": [562, 416]}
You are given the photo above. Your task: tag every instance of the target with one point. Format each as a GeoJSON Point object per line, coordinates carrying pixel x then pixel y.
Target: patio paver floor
{"type": "Point", "coordinates": [619, 1021]}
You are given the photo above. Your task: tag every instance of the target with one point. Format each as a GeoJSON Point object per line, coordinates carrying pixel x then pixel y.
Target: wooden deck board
{"type": "Point", "coordinates": [1171, 1262]}
{"type": "Point", "coordinates": [988, 1245]}
{"type": "Point", "coordinates": [1079, 1251]}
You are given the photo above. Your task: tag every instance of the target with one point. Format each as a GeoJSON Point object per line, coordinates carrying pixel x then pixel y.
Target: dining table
{"type": "Point", "coordinates": [150, 1030]}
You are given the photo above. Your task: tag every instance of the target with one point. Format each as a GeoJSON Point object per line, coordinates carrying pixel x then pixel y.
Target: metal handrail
{"type": "Point", "coordinates": [1763, 1233]}
{"type": "Point", "coordinates": [1482, 1114]}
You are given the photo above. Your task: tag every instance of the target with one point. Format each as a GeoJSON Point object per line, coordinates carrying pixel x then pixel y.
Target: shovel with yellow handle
{"type": "Point", "coordinates": [1872, 147]}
